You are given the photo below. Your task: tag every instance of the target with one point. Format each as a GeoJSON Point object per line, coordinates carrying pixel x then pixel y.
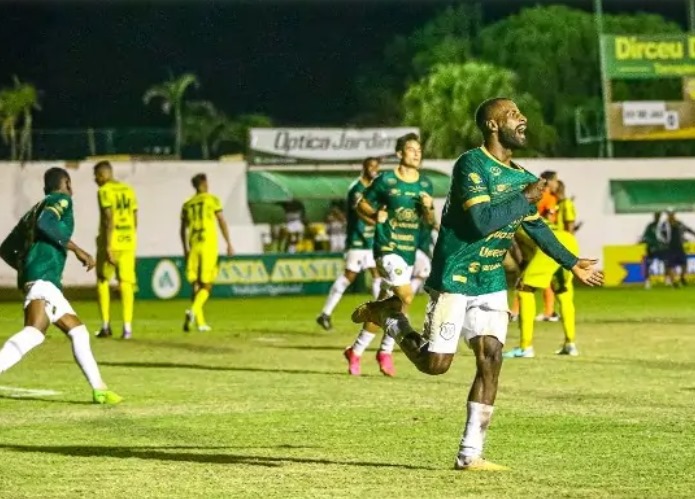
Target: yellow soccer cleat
{"type": "Point", "coordinates": [106, 397]}
{"type": "Point", "coordinates": [477, 464]}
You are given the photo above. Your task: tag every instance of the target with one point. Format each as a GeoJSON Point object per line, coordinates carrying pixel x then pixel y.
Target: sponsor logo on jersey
{"type": "Point", "coordinates": [391, 181]}
{"type": "Point", "coordinates": [496, 171]}
{"type": "Point", "coordinates": [475, 178]}
{"type": "Point", "coordinates": [474, 267]}
{"type": "Point", "coordinates": [502, 187]}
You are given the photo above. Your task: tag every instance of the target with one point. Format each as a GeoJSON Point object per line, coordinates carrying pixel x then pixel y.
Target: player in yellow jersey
{"type": "Point", "coordinates": [116, 245]}
{"type": "Point", "coordinates": [199, 215]}
{"type": "Point", "coordinates": [542, 272]}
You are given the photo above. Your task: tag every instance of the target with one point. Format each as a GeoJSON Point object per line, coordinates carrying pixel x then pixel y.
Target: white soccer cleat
{"type": "Point", "coordinates": [568, 349]}
{"type": "Point", "coordinates": [204, 328]}
{"type": "Point", "coordinates": [518, 353]}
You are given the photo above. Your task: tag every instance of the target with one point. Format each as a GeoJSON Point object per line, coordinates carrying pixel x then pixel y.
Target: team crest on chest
{"type": "Point", "coordinates": [496, 171]}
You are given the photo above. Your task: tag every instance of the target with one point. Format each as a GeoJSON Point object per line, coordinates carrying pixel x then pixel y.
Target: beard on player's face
{"type": "Point", "coordinates": [513, 137]}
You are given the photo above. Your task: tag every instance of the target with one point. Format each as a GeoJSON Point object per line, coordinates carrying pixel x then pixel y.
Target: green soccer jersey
{"type": "Point", "coordinates": [403, 205]}
{"type": "Point", "coordinates": [360, 235]}
{"type": "Point", "coordinates": [34, 255]}
{"type": "Point", "coordinates": [484, 208]}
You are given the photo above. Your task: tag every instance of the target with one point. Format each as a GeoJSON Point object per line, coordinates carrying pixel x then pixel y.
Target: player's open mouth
{"type": "Point", "coordinates": [521, 131]}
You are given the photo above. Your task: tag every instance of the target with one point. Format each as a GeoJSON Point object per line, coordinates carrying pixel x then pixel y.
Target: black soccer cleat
{"type": "Point", "coordinates": [105, 332]}
{"type": "Point", "coordinates": [324, 321]}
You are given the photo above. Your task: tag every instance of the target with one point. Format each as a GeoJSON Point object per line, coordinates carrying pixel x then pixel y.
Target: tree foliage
{"type": "Point", "coordinates": [17, 104]}
{"type": "Point", "coordinates": [554, 50]}
{"type": "Point", "coordinates": [443, 105]}
{"type": "Point", "coordinates": [171, 93]}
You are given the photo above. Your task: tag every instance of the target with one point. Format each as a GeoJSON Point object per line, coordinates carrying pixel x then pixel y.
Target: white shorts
{"type": "Point", "coordinates": [448, 315]}
{"type": "Point", "coordinates": [359, 260]}
{"type": "Point", "coordinates": [423, 265]}
{"type": "Point", "coordinates": [295, 227]}
{"type": "Point", "coordinates": [394, 270]}
{"type": "Point", "coordinates": [56, 304]}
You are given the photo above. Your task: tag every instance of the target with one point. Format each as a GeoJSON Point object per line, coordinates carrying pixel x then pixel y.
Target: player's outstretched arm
{"type": "Point", "coordinates": [582, 268]}
{"type": "Point", "coordinates": [85, 258]}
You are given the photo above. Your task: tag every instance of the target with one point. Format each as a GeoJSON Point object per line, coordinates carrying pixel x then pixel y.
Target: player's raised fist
{"type": "Point", "coordinates": [534, 192]}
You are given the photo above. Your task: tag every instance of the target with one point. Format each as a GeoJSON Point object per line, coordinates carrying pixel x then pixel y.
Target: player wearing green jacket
{"type": "Point", "coordinates": [489, 198]}
{"type": "Point", "coordinates": [37, 249]}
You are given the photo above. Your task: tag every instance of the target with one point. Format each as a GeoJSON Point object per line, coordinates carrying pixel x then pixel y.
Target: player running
{"type": "Point", "coordinates": [543, 272]}
{"type": "Point", "coordinates": [116, 244]}
{"type": "Point", "coordinates": [37, 249]}
{"type": "Point", "coordinates": [490, 196]}
{"type": "Point", "coordinates": [406, 197]}
{"type": "Point", "coordinates": [359, 241]}
{"type": "Point", "coordinates": [199, 239]}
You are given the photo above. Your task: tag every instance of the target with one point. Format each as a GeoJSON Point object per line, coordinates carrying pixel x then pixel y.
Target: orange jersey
{"type": "Point", "coordinates": [547, 206]}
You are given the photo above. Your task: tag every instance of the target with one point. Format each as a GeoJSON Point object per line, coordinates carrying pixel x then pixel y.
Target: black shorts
{"type": "Point", "coordinates": [675, 258]}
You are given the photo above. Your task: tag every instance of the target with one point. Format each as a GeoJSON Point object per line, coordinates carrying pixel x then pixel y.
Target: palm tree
{"type": "Point", "coordinates": [171, 93]}
{"type": "Point", "coordinates": [17, 104]}
{"type": "Point", "coordinates": [201, 121]}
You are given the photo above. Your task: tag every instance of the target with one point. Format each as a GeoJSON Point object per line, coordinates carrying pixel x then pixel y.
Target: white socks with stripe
{"type": "Point", "coordinates": [79, 336]}
{"type": "Point", "coordinates": [376, 287]}
{"type": "Point", "coordinates": [335, 294]}
{"type": "Point", "coordinates": [362, 342]}
{"type": "Point", "coordinates": [18, 346]}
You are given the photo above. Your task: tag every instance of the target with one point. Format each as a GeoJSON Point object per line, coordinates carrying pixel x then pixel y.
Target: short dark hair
{"type": "Point", "coordinates": [369, 160]}
{"type": "Point", "coordinates": [549, 175]}
{"type": "Point", "coordinates": [198, 179]}
{"type": "Point", "coordinates": [102, 165]}
{"type": "Point", "coordinates": [484, 112]}
{"type": "Point", "coordinates": [52, 179]}
{"type": "Point", "coordinates": [404, 139]}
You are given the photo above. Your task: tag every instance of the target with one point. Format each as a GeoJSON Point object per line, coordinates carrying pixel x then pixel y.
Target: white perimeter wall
{"type": "Point", "coordinates": [163, 186]}
{"type": "Point", "coordinates": [588, 181]}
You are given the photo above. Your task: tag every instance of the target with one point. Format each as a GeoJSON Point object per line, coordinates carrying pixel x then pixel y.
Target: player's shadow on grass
{"type": "Point", "coordinates": [158, 454]}
{"type": "Point", "coordinates": [54, 401]}
{"type": "Point", "coordinates": [199, 367]}
{"type": "Point", "coordinates": [320, 348]}
{"type": "Point", "coordinates": [188, 347]}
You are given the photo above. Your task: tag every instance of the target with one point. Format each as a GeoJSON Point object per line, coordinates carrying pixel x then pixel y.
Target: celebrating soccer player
{"type": "Point", "coordinates": [199, 239]}
{"type": "Point", "coordinates": [489, 197]}
{"type": "Point", "coordinates": [406, 198]}
{"type": "Point", "coordinates": [116, 243]}
{"type": "Point", "coordinates": [37, 249]}
{"type": "Point", "coordinates": [359, 241]}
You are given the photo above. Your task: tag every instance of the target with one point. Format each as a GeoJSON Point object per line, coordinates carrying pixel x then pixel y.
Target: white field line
{"type": "Point", "coordinates": [15, 392]}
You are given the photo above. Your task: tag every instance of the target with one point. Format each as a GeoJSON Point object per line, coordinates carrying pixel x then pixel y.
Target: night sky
{"type": "Point", "coordinates": [293, 60]}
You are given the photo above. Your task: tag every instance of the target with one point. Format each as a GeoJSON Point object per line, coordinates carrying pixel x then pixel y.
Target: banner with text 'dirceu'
{"type": "Point", "coordinates": [269, 146]}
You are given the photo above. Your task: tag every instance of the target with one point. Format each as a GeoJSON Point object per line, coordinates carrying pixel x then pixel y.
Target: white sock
{"type": "Point", "coordinates": [335, 294]}
{"type": "Point", "coordinates": [126, 327]}
{"type": "Point", "coordinates": [18, 346]}
{"type": "Point", "coordinates": [479, 416]}
{"type": "Point", "coordinates": [387, 344]}
{"type": "Point", "coordinates": [376, 287]}
{"type": "Point", "coordinates": [415, 284]}
{"type": "Point", "coordinates": [362, 342]}
{"type": "Point", "coordinates": [79, 336]}
{"type": "Point", "coordinates": [397, 325]}
{"type": "Point", "coordinates": [105, 325]}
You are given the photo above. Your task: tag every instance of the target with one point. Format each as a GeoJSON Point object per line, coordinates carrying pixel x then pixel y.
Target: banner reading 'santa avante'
{"type": "Point", "coordinates": [322, 145]}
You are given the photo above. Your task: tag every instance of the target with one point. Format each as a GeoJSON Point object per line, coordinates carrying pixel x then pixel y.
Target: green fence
{"type": "Point", "coordinates": [164, 278]}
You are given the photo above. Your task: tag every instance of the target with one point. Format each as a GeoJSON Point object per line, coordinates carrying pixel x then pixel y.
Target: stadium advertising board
{"type": "Point", "coordinates": [625, 265]}
{"type": "Point", "coordinates": [248, 275]}
{"type": "Point", "coordinates": [276, 146]}
{"type": "Point", "coordinates": [648, 56]}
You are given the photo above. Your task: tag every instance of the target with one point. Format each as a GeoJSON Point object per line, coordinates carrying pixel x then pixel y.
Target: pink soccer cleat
{"type": "Point", "coordinates": [354, 367]}
{"type": "Point", "coordinates": [385, 361]}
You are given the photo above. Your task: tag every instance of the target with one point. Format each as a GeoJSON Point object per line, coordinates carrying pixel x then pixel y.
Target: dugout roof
{"type": "Point", "coordinates": [651, 195]}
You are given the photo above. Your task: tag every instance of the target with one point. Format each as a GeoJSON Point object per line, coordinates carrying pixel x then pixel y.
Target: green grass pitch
{"type": "Point", "coordinates": [263, 407]}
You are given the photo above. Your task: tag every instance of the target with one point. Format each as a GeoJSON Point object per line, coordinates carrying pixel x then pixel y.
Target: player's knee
{"type": "Point", "coordinates": [436, 364]}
